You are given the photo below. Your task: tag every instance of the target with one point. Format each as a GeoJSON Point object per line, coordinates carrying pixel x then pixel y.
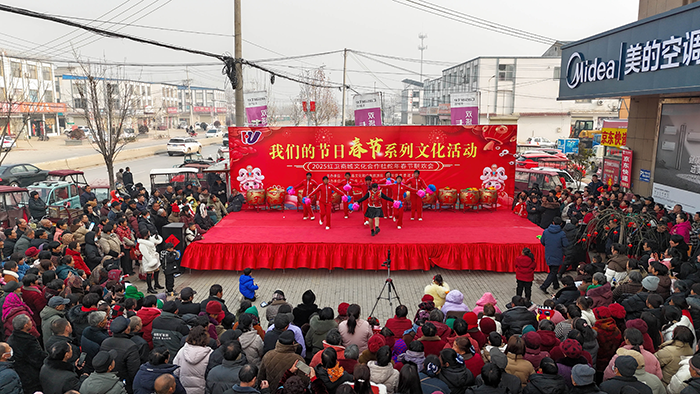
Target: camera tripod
{"type": "Point", "coordinates": [388, 286]}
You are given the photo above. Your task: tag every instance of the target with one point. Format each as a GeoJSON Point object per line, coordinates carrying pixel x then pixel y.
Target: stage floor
{"type": "Point", "coordinates": [477, 240]}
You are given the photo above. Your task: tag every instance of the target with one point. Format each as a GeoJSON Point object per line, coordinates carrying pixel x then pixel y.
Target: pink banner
{"type": "Point", "coordinates": [368, 110]}
{"type": "Point", "coordinates": [257, 116]}
{"type": "Point", "coordinates": [464, 108]}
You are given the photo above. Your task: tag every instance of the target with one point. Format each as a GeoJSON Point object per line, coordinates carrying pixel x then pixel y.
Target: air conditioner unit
{"type": "Point", "coordinates": [600, 102]}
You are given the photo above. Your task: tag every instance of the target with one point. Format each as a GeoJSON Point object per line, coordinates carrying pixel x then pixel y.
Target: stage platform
{"type": "Point", "coordinates": [479, 240]}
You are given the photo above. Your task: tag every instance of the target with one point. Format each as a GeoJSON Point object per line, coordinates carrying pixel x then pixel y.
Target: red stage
{"type": "Point", "coordinates": [484, 240]}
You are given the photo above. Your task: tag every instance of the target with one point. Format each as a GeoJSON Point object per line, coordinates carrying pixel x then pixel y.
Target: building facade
{"type": "Point", "coordinates": [28, 97]}
{"type": "Point", "coordinates": [200, 104]}
{"type": "Point", "coordinates": [515, 90]}
{"type": "Point", "coordinates": [411, 102]}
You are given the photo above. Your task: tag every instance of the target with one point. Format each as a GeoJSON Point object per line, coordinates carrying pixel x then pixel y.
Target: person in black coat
{"type": "Point", "coordinates": [128, 177]}
{"type": "Point", "coordinates": [548, 381]}
{"type": "Point", "coordinates": [574, 253]}
{"type": "Point", "coordinates": [93, 336]}
{"type": "Point", "coordinates": [28, 355]}
{"type": "Point", "coordinates": [169, 328]}
{"type": "Point", "coordinates": [235, 201]}
{"type": "Point", "coordinates": [224, 376]}
{"type": "Point", "coordinates": [157, 365]}
{"type": "Point", "coordinates": [215, 294]}
{"type": "Point", "coordinates": [454, 373]}
{"type": "Point", "coordinates": [218, 188]}
{"type": "Point", "coordinates": [491, 379]}
{"type": "Point", "coordinates": [550, 210]}
{"type": "Point", "coordinates": [146, 224]}
{"type": "Point", "coordinates": [568, 294]}
{"type": "Point", "coordinates": [37, 206]}
{"type": "Point", "coordinates": [127, 362]}
{"type": "Point", "coordinates": [534, 210]}
{"type": "Point", "coordinates": [58, 373]}
{"type": "Point", "coordinates": [302, 313]}
{"type": "Point", "coordinates": [185, 304]}
{"type": "Point", "coordinates": [9, 245]}
{"type": "Point", "coordinates": [514, 319]}
{"type": "Point", "coordinates": [93, 258]}
{"type": "Point", "coordinates": [624, 377]}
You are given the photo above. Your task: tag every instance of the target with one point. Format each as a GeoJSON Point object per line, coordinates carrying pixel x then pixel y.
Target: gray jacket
{"type": "Point", "coordinates": [102, 383]}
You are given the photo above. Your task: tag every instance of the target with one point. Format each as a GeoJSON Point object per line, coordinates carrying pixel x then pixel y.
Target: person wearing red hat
{"type": "Point", "coordinates": [373, 345]}
{"type": "Point", "coordinates": [533, 353]}
{"type": "Point", "coordinates": [473, 328]}
{"type": "Point", "coordinates": [216, 315]}
{"type": "Point", "coordinates": [609, 337]}
{"type": "Point", "coordinates": [342, 312]}
{"type": "Point", "coordinates": [426, 304]}
{"type": "Point", "coordinates": [572, 351]}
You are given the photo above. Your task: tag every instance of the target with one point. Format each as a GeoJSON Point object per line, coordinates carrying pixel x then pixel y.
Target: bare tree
{"type": "Point", "coordinates": [295, 112]}
{"type": "Point", "coordinates": [273, 112]}
{"type": "Point", "coordinates": [327, 107]}
{"type": "Point", "coordinates": [107, 104]}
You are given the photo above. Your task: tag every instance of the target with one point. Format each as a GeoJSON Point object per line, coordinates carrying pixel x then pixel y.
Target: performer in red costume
{"type": "Point", "coordinates": [341, 186]}
{"type": "Point", "coordinates": [365, 188]}
{"type": "Point", "coordinates": [325, 200]}
{"type": "Point", "coordinates": [386, 209]}
{"type": "Point", "coordinates": [307, 186]}
{"type": "Point", "coordinates": [416, 183]}
{"type": "Point", "coordinates": [397, 190]}
{"type": "Point", "coordinates": [374, 211]}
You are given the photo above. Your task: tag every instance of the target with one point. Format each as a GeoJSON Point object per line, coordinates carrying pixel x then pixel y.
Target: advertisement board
{"type": "Point", "coordinates": [626, 169]}
{"type": "Point", "coordinates": [256, 108]}
{"type": "Point", "coordinates": [464, 108]}
{"type": "Point", "coordinates": [677, 167]}
{"type": "Point", "coordinates": [568, 145]}
{"type": "Point", "coordinates": [457, 157]}
{"type": "Point", "coordinates": [611, 171]}
{"type": "Point", "coordinates": [368, 111]}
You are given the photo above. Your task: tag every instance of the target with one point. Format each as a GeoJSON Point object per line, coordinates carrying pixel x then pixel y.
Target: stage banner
{"type": "Point", "coordinates": [456, 157]}
{"type": "Point", "coordinates": [464, 108]}
{"type": "Point", "coordinates": [256, 108]}
{"type": "Point", "coordinates": [368, 111]}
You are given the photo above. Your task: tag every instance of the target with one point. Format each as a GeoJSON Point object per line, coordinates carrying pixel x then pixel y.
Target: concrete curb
{"type": "Point", "coordinates": [93, 160]}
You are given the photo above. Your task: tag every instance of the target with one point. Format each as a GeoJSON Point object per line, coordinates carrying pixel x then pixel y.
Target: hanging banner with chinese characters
{"type": "Point", "coordinates": [614, 133]}
{"type": "Point", "coordinates": [464, 108]}
{"type": "Point", "coordinates": [368, 109]}
{"type": "Point", "coordinates": [256, 108]}
{"type": "Point", "coordinates": [626, 169]}
{"type": "Point", "coordinates": [457, 157]}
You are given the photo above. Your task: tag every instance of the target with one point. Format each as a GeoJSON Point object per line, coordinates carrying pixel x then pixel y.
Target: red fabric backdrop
{"type": "Point", "coordinates": [447, 156]}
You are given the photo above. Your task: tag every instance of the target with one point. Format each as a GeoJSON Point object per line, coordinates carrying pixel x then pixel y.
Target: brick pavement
{"type": "Point", "coordinates": [361, 287]}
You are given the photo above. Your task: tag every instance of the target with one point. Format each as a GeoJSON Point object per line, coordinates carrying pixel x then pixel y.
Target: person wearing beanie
{"type": "Point", "coordinates": [278, 360]}
{"type": "Point", "coordinates": [373, 345]}
{"type": "Point", "coordinates": [427, 304]}
{"type": "Point", "coordinates": [653, 381]}
{"type": "Point", "coordinates": [633, 340]}
{"type": "Point", "coordinates": [487, 326]}
{"type": "Point", "coordinates": [694, 381]}
{"type": "Point", "coordinates": [302, 313]}
{"type": "Point", "coordinates": [533, 354]}
{"type": "Point", "coordinates": [454, 302]}
{"type": "Point", "coordinates": [573, 355]}
{"type": "Point", "coordinates": [625, 367]}
{"type": "Point", "coordinates": [583, 380]}
{"type": "Point", "coordinates": [342, 312]}
{"type": "Point", "coordinates": [298, 335]}
{"type": "Point", "coordinates": [635, 305]}
{"type": "Point", "coordinates": [609, 337]}
{"type": "Point", "coordinates": [619, 314]}
{"type": "Point", "coordinates": [473, 328]}
{"type": "Point", "coordinates": [547, 381]}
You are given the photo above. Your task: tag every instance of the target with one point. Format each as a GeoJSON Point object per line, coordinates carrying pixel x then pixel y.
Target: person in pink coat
{"type": "Point", "coordinates": [487, 298]}
{"type": "Point", "coordinates": [682, 227]}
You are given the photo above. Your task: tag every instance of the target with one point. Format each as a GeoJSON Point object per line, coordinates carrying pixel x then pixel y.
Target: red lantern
{"type": "Point", "coordinates": [607, 227]}
{"type": "Point", "coordinates": [630, 246]}
{"type": "Point", "coordinates": [648, 224]}
{"type": "Point", "coordinates": [615, 232]}
{"type": "Point", "coordinates": [595, 233]}
{"type": "Point", "coordinates": [615, 220]}
{"type": "Point", "coordinates": [584, 239]}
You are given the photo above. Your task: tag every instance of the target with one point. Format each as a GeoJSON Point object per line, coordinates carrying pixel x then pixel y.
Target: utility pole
{"type": "Point", "coordinates": [188, 81]}
{"type": "Point", "coordinates": [345, 65]}
{"type": "Point", "coordinates": [422, 48]}
{"type": "Point", "coordinates": [238, 53]}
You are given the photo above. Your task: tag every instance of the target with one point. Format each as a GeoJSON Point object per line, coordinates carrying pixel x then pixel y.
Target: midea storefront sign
{"type": "Point", "coordinates": [651, 56]}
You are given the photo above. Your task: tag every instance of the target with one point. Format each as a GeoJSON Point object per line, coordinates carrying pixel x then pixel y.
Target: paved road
{"type": "Point", "coordinates": [142, 167]}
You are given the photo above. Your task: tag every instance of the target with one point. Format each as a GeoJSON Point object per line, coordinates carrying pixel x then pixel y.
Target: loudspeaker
{"type": "Point", "coordinates": [176, 230]}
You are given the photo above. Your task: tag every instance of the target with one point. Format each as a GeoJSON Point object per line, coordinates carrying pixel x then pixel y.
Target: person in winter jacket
{"type": "Point", "coordinates": [235, 201]}
{"type": "Point", "coordinates": [355, 330]}
{"type": "Point", "coordinates": [609, 337]}
{"type": "Point", "coordinates": [93, 257]}
{"type": "Point", "coordinates": [24, 241]}
{"type": "Point", "coordinates": [491, 376]}
{"type": "Point", "coordinates": [148, 313]}
{"type": "Point", "coordinates": [582, 379]}
{"type": "Point", "coordinates": [438, 289]}
{"type": "Point", "coordinates": [246, 285]}
{"type": "Point", "coordinates": [103, 380]}
{"type": "Point", "coordinates": [330, 372]}
{"type": "Point", "coordinates": [694, 381]}
{"type": "Point", "coordinates": [93, 336]}
{"type": "Point", "coordinates": [548, 381]}
{"type": "Point", "coordinates": [319, 326]}
{"type": "Point", "coordinates": [671, 352]}
{"type": "Point", "coordinates": [486, 298]}
{"type": "Point", "coordinates": [625, 367]}
{"type": "Point", "coordinates": [533, 353]}
{"type": "Point", "coordinates": [302, 312]}
{"type": "Point", "coordinates": [399, 323]}
{"type": "Point", "coordinates": [682, 226]}
{"type": "Point", "coordinates": [517, 364]}
{"type": "Point", "coordinates": [432, 343]}
{"type": "Point", "coordinates": [169, 262]}
{"type": "Point", "coordinates": [28, 355]}
{"type": "Point", "coordinates": [550, 211]}
{"type": "Point", "coordinates": [454, 302]}
{"type": "Point", "coordinates": [157, 365]}
{"type": "Point", "coordinates": [10, 382]}
{"type": "Point", "coordinates": [37, 206]}
{"type": "Point", "coordinates": [454, 373]}
{"type": "Point", "coordinates": [150, 263]}
{"type": "Point", "coordinates": [534, 210]}
{"type": "Point", "coordinates": [168, 329]}
{"type": "Point", "coordinates": [225, 376]}
{"type": "Point", "coordinates": [193, 358]}
{"type": "Point", "coordinates": [633, 340]}
{"type": "Point", "coordinates": [127, 362]}
{"type": "Point", "coordinates": [617, 264]}
{"type": "Point", "coordinates": [631, 286]}
{"type": "Point", "coordinates": [600, 291]}
{"type": "Point", "coordinates": [58, 373]}
{"type": "Point", "coordinates": [280, 359]}
{"type": "Point", "coordinates": [514, 319]}
{"type": "Point", "coordinates": [383, 372]}
{"type": "Point", "coordinates": [554, 241]}
{"type": "Point", "coordinates": [12, 307]}
{"type": "Point", "coordinates": [251, 343]}
{"type": "Point", "coordinates": [574, 253]}
{"type": "Point", "coordinates": [32, 295]}
{"type": "Point", "coordinates": [525, 273]}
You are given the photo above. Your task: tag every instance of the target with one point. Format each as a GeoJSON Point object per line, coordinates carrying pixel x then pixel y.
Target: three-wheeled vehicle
{"type": "Point", "coordinates": [73, 176]}
{"type": "Point", "coordinates": [13, 205]}
{"type": "Point", "coordinates": [161, 178]}
{"type": "Point", "coordinates": [62, 198]}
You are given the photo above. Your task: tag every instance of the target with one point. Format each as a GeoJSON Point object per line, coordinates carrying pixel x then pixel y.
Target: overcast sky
{"type": "Point", "coordinates": [279, 28]}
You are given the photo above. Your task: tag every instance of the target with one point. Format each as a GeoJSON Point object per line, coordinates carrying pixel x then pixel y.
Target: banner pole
{"type": "Point", "coordinates": [345, 65]}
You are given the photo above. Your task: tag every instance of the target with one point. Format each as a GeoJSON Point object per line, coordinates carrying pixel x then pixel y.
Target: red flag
{"type": "Point", "coordinates": [312, 106]}
{"type": "Point", "coordinates": [303, 106]}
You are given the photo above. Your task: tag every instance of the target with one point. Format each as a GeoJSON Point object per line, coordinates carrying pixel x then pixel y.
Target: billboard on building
{"type": "Point", "coordinates": [368, 109]}
{"type": "Point", "coordinates": [677, 167]}
{"type": "Point", "coordinates": [464, 108]}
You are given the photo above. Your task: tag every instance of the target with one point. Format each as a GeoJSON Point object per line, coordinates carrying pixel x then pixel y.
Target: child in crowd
{"type": "Point", "coordinates": [246, 285]}
{"type": "Point", "coordinates": [525, 273]}
{"type": "Point", "coordinates": [169, 257]}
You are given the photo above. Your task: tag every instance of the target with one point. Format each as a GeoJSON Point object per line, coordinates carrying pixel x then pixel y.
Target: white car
{"type": "Point", "coordinates": [8, 143]}
{"type": "Point", "coordinates": [214, 132]}
{"type": "Point", "coordinates": [184, 146]}
{"type": "Point", "coordinates": [541, 141]}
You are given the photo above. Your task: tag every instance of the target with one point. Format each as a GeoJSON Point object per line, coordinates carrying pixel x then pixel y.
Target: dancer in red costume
{"type": "Point", "coordinates": [325, 200]}
{"type": "Point", "coordinates": [374, 210]}
{"type": "Point", "coordinates": [341, 186]}
{"type": "Point", "coordinates": [416, 202]}
{"type": "Point", "coordinates": [307, 186]}
{"type": "Point", "coordinates": [386, 209]}
{"type": "Point", "coordinates": [397, 190]}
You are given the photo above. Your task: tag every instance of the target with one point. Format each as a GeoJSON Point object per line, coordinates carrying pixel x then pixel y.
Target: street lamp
{"type": "Point", "coordinates": [488, 99]}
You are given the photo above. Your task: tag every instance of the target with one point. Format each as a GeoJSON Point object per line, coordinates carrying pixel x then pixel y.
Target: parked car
{"type": "Point", "coordinates": [184, 146]}
{"type": "Point", "coordinates": [8, 143]}
{"type": "Point", "coordinates": [182, 125]}
{"type": "Point", "coordinates": [566, 178]}
{"type": "Point", "coordinates": [541, 141]}
{"type": "Point", "coordinates": [213, 132]}
{"type": "Point", "coordinates": [546, 178]}
{"type": "Point", "coordinates": [21, 175]}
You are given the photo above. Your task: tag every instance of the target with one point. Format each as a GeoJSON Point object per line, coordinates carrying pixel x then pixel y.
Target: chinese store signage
{"type": "Point", "coordinates": [368, 111]}
{"type": "Point", "coordinates": [448, 156]}
{"type": "Point", "coordinates": [654, 55]}
{"type": "Point", "coordinates": [615, 137]}
{"type": "Point", "coordinates": [464, 108]}
{"type": "Point", "coordinates": [626, 169]}
{"type": "Point", "coordinates": [256, 108]}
